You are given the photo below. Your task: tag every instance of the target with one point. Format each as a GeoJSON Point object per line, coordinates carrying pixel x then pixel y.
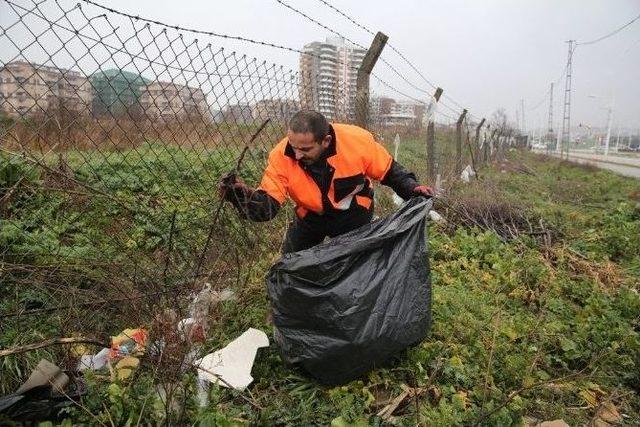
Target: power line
{"type": "Point", "coordinates": [610, 34]}
{"type": "Point", "coordinates": [555, 82]}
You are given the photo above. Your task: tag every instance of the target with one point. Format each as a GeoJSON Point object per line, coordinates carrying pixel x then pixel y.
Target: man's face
{"type": "Point", "coordinates": [306, 149]}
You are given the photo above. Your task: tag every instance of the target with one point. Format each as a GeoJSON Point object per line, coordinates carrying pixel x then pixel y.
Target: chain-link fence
{"type": "Point", "coordinates": [115, 133]}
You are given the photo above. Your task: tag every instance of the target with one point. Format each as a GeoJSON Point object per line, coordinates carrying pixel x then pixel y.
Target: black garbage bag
{"type": "Point", "coordinates": [41, 403]}
{"type": "Point", "coordinates": [345, 306]}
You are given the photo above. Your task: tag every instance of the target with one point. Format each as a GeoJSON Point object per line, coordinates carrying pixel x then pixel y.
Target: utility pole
{"type": "Point", "coordinates": [550, 126]}
{"type": "Point", "coordinates": [566, 116]}
{"type": "Point", "coordinates": [609, 118]}
{"type": "Point", "coordinates": [524, 126]}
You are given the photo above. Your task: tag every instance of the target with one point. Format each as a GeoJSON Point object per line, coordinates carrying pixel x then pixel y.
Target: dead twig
{"type": "Point", "coordinates": [216, 215]}
{"type": "Point", "coordinates": [218, 378]}
{"type": "Point", "coordinates": [519, 391]}
{"type": "Point", "coordinates": [52, 342]}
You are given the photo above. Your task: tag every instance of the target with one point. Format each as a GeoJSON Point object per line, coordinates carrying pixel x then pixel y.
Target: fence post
{"type": "Point", "coordinates": [478, 139]}
{"type": "Point", "coordinates": [459, 141]}
{"type": "Point", "coordinates": [362, 82]}
{"type": "Point", "coordinates": [431, 142]}
{"type": "Point", "coordinates": [488, 144]}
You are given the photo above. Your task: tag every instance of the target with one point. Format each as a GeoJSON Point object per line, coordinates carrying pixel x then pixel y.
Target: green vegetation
{"type": "Point", "coordinates": [521, 328]}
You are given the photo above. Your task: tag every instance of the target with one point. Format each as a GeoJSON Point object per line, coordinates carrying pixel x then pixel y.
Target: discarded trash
{"type": "Point", "coordinates": [42, 397]}
{"type": "Point", "coordinates": [439, 189]}
{"type": "Point", "coordinates": [191, 330]}
{"type": "Point", "coordinates": [128, 342]}
{"type": "Point", "coordinates": [196, 325]}
{"type": "Point", "coordinates": [45, 374]}
{"type": "Point", "coordinates": [345, 306]}
{"type": "Point", "coordinates": [467, 173]}
{"type": "Point", "coordinates": [93, 361]}
{"type": "Point", "coordinates": [397, 200]}
{"type": "Point", "coordinates": [436, 217]}
{"type": "Point", "coordinates": [125, 366]}
{"type": "Point", "coordinates": [231, 366]}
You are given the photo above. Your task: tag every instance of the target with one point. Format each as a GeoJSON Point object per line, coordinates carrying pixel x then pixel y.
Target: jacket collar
{"type": "Point", "coordinates": [330, 151]}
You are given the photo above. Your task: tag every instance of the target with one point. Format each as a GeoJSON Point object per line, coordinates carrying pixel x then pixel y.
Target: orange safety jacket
{"type": "Point", "coordinates": [353, 160]}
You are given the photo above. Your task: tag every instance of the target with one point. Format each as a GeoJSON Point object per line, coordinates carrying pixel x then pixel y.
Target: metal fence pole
{"type": "Point", "coordinates": [362, 82]}
{"type": "Point", "coordinates": [431, 142]}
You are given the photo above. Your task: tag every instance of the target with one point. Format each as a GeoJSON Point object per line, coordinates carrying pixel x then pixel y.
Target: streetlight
{"type": "Point", "coordinates": [609, 117]}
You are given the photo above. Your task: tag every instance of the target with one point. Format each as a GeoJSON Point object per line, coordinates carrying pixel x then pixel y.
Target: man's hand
{"type": "Point", "coordinates": [233, 189]}
{"type": "Point", "coordinates": [423, 190]}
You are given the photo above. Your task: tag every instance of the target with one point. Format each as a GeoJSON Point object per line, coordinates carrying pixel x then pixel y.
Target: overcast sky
{"type": "Point", "coordinates": [485, 54]}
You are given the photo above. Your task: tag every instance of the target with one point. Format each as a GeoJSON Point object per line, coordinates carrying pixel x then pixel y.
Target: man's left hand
{"type": "Point", "coordinates": [423, 190]}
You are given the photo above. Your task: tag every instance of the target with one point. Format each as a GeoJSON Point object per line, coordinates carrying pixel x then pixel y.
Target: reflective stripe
{"type": "Point", "coordinates": [345, 203]}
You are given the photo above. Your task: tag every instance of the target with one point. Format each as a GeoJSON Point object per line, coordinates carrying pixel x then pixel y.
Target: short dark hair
{"type": "Point", "coordinates": [310, 121]}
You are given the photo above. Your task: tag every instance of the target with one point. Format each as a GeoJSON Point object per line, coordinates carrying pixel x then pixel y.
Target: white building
{"type": "Point", "coordinates": [329, 73]}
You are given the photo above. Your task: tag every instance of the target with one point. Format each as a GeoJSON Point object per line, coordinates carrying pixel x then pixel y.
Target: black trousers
{"type": "Point", "coordinates": [313, 228]}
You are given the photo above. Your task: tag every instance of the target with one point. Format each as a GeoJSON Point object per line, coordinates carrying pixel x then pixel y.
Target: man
{"type": "Point", "coordinates": [326, 169]}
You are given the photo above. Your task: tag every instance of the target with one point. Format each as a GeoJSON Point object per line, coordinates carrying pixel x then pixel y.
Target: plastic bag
{"type": "Point", "coordinates": [345, 306]}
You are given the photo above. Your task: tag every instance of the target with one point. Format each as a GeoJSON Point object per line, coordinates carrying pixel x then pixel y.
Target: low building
{"type": "Point", "coordinates": [28, 89]}
{"type": "Point", "coordinates": [278, 110]}
{"type": "Point", "coordinates": [170, 101]}
{"type": "Point", "coordinates": [238, 113]}
{"type": "Point", "coordinates": [117, 92]}
{"type": "Point", "coordinates": [390, 112]}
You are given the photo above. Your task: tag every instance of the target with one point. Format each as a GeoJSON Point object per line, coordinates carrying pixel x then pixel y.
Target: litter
{"type": "Point", "coordinates": [93, 361]}
{"type": "Point", "coordinates": [128, 342]}
{"type": "Point", "coordinates": [45, 374]}
{"type": "Point", "coordinates": [125, 366]}
{"type": "Point", "coordinates": [397, 200]}
{"type": "Point", "coordinates": [194, 327]}
{"type": "Point", "coordinates": [231, 365]}
{"type": "Point", "coordinates": [467, 174]}
{"type": "Point", "coordinates": [436, 217]}
{"type": "Point", "coordinates": [42, 397]}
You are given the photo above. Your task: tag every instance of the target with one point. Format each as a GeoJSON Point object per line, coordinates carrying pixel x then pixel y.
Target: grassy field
{"type": "Point", "coordinates": [524, 330]}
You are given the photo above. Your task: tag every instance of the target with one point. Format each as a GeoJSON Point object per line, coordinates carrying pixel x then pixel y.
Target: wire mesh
{"type": "Point", "coordinates": [114, 134]}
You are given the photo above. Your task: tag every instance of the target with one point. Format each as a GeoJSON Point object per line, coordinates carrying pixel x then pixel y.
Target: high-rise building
{"type": "Point", "coordinates": [328, 75]}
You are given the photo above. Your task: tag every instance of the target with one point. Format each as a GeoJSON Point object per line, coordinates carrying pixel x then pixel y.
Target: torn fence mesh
{"type": "Point", "coordinates": [344, 307]}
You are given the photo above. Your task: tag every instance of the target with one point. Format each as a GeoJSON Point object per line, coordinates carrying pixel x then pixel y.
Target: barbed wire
{"type": "Point", "coordinates": [258, 42]}
{"type": "Point", "coordinates": [393, 48]}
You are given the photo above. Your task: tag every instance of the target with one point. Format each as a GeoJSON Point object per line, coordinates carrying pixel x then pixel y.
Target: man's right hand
{"type": "Point", "coordinates": [234, 190]}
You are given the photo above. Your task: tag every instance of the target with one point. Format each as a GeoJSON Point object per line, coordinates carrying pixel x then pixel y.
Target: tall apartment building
{"type": "Point", "coordinates": [328, 74]}
{"type": "Point", "coordinates": [171, 101]}
{"type": "Point", "coordinates": [28, 89]}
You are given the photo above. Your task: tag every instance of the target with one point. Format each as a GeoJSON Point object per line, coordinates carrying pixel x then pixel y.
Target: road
{"type": "Point", "coordinates": [627, 166]}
